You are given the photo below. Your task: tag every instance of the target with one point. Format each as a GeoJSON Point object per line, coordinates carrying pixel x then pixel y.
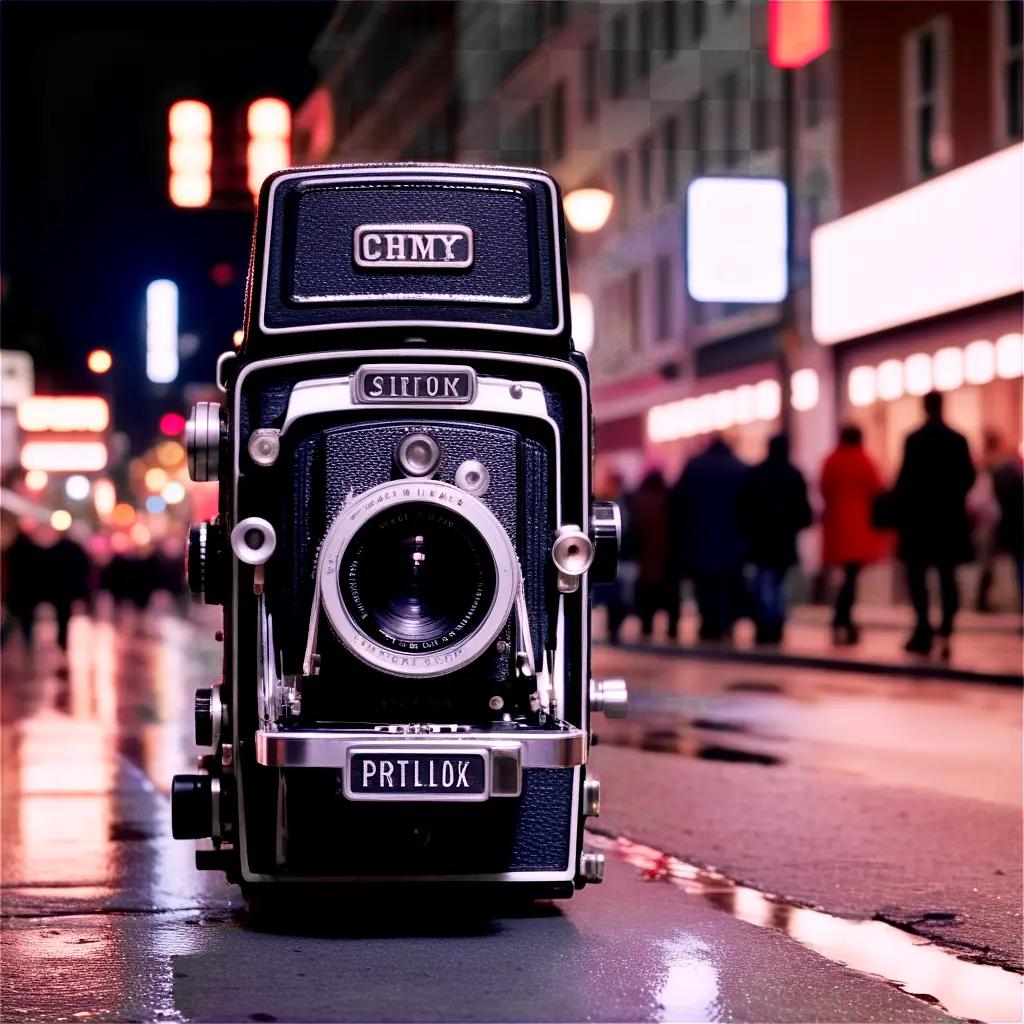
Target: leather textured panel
{"type": "Point", "coordinates": [313, 279]}
{"type": "Point", "coordinates": [331, 835]}
{"type": "Point", "coordinates": [326, 218]}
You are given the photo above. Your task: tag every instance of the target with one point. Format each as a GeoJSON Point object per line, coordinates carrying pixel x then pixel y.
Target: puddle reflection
{"type": "Point", "coordinates": [690, 989]}
{"type": "Point", "coordinates": [974, 991]}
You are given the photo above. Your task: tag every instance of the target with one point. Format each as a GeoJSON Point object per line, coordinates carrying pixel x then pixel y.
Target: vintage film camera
{"type": "Point", "coordinates": [405, 543]}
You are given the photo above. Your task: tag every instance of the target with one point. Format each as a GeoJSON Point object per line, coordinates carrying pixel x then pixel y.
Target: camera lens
{"type": "Point", "coordinates": [417, 578]}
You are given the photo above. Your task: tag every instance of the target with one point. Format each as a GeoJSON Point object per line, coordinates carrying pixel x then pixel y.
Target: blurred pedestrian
{"type": "Point", "coordinates": [706, 534]}
{"type": "Point", "coordinates": [773, 509]}
{"type": "Point", "coordinates": [996, 504]}
{"type": "Point", "coordinates": [116, 578]}
{"type": "Point", "coordinates": [850, 485]}
{"type": "Point", "coordinates": [930, 504]}
{"type": "Point", "coordinates": [147, 576]}
{"type": "Point", "coordinates": [612, 595]}
{"type": "Point", "coordinates": [65, 579]}
{"type": "Point", "coordinates": [657, 585]}
{"type": "Point", "coordinates": [1008, 485]}
{"type": "Point", "coordinates": [22, 579]}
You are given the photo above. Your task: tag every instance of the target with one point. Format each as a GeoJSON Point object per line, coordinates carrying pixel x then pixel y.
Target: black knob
{"type": "Point", "coordinates": [606, 533]}
{"type": "Point", "coordinates": [204, 561]}
{"type": "Point", "coordinates": [192, 806]}
{"type": "Point", "coordinates": [203, 709]}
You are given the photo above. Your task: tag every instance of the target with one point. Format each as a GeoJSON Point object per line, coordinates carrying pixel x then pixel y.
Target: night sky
{"type": "Point", "coordinates": [86, 219]}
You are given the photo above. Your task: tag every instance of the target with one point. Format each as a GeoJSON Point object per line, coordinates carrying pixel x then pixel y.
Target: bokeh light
{"type": "Point", "coordinates": [155, 479]}
{"type": "Point", "coordinates": [123, 514]}
{"type": "Point", "coordinates": [77, 487]}
{"type": "Point", "coordinates": [99, 360]}
{"type": "Point", "coordinates": [174, 492]}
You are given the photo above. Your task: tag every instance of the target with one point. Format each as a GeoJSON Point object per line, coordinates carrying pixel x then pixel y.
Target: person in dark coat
{"type": "Point", "coordinates": [22, 578]}
{"type": "Point", "coordinates": [709, 547]}
{"type": "Point", "coordinates": [67, 581]}
{"type": "Point", "coordinates": [930, 503]}
{"type": "Point", "coordinates": [773, 509]}
{"type": "Point", "coordinates": [850, 485]}
{"type": "Point", "coordinates": [657, 586]}
{"type": "Point", "coordinates": [1008, 486]}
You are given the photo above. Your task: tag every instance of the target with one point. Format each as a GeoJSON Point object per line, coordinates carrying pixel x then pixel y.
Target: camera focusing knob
{"type": "Point", "coordinates": [609, 696]}
{"type": "Point", "coordinates": [209, 715]}
{"type": "Point", "coordinates": [606, 533]}
{"type": "Point", "coordinates": [592, 866]}
{"type": "Point", "coordinates": [204, 561]}
{"type": "Point", "coordinates": [195, 806]}
{"type": "Point", "coordinates": [202, 441]}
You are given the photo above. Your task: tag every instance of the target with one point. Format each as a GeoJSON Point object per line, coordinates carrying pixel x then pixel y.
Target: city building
{"type": "Point", "coordinates": [387, 86]}
{"type": "Point", "coordinates": [917, 284]}
{"type": "Point", "coordinates": [638, 98]}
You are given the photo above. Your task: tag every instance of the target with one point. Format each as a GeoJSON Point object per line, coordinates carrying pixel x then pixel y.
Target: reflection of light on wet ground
{"type": "Point", "coordinates": [976, 991]}
{"type": "Point", "coordinates": [63, 813]}
{"type": "Point", "coordinates": [690, 989]}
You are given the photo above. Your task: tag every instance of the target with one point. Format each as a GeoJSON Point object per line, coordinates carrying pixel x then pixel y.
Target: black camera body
{"type": "Point", "coordinates": [405, 543]}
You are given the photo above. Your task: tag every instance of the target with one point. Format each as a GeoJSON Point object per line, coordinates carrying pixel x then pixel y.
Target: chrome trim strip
{"type": "Point", "coordinates": [452, 176]}
{"type": "Point", "coordinates": [329, 749]}
{"type": "Point", "coordinates": [336, 394]}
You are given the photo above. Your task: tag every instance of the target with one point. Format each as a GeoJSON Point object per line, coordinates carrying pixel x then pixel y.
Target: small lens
{"type": "Point", "coordinates": [418, 578]}
{"type": "Point", "coordinates": [418, 454]}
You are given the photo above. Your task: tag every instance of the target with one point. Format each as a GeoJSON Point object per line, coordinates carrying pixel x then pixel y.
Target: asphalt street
{"type": "Point", "coordinates": [781, 846]}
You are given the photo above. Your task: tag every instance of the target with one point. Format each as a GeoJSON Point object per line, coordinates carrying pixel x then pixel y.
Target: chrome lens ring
{"type": "Point", "coordinates": [409, 663]}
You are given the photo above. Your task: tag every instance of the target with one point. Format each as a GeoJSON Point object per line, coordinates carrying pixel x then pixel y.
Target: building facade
{"type": "Point", "coordinates": [638, 99]}
{"type": "Point", "coordinates": [386, 86]}
{"type": "Point", "coordinates": [917, 285]}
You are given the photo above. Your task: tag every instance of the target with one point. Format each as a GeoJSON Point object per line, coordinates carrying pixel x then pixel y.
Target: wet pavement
{"type": "Point", "coordinates": [986, 647]}
{"type": "Point", "coordinates": [106, 919]}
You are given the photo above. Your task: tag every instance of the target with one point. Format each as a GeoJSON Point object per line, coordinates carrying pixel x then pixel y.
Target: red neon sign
{"type": "Point", "coordinates": [798, 31]}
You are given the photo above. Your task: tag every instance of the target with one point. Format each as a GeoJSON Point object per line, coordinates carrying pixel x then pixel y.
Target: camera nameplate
{"type": "Point", "coordinates": [413, 246]}
{"type": "Point", "coordinates": [441, 771]}
{"type": "Point", "coordinates": [414, 384]}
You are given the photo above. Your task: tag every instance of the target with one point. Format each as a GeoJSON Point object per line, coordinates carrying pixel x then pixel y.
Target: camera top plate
{"type": "Point", "coordinates": [467, 256]}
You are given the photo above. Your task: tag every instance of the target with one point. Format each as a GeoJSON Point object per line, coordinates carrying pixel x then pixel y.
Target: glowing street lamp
{"type": "Point", "coordinates": [99, 361]}
{"type": "Point", "coordinates": [588, 209]}
{"type": "Point", "coordinates": [162, 331]}
{"type": "Point", "coordinates": [190, 153]}
{"type": "Point", "coordinates": [269, 122]}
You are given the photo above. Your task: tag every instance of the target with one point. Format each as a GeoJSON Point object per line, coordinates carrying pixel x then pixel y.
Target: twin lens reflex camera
{"type": "Point", "coordinates": [404, 546]}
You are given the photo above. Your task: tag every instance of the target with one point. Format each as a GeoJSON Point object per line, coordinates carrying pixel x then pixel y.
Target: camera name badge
{"type": "Point", "coordinates": [411, 775]}
{"type": "Point", "coordinates": [413, 246]}
{"type": "Point", "coordinates": [394, 383]}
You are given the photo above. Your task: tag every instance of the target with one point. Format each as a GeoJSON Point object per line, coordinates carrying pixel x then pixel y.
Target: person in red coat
{"type": "Point", "coordinates": [850, 483]}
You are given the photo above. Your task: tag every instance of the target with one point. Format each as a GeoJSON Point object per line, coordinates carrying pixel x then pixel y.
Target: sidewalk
{"type": "Point", "coordinates": [986, 648]}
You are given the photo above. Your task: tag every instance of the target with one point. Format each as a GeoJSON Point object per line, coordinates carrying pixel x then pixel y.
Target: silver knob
{"type": "Point", "coordinates": [609, 696]}
{"type": "Point", "coordinates": [591, 797]}
{"type": "Point", "coordinates": [202, 440]}
{"type": "Point", "coordinates": [592, 866]}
